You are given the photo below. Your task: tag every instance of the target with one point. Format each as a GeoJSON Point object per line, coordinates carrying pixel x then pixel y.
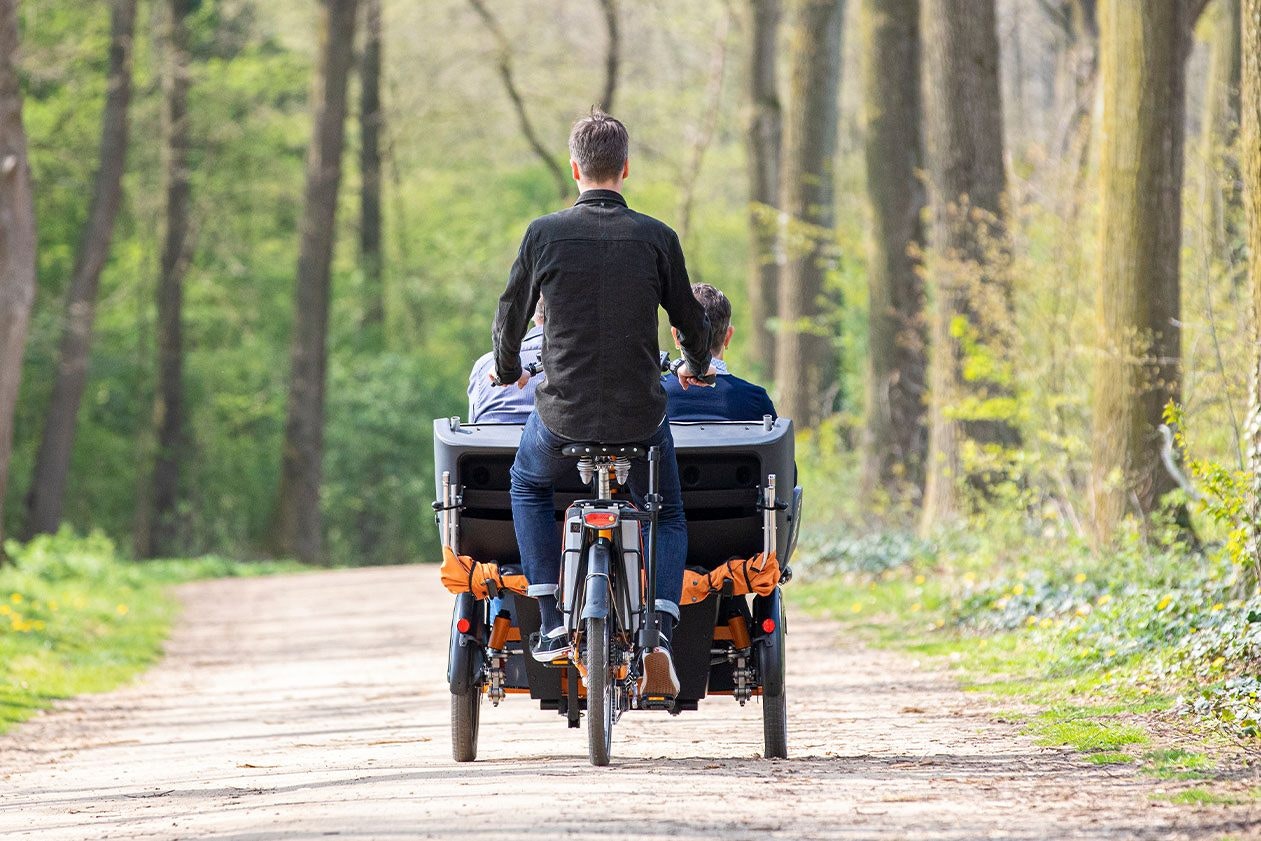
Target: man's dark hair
{"type": "Point", "coordinates": [717, 310]}
{"type": "Point", "coordinates": [600, 145]}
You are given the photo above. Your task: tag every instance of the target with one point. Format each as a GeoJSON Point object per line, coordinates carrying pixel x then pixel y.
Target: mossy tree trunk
{"type": "Point", "coordinates": [805, 369]}
{"type": "Point", "coordinates": [1250, 127]}
{"type": "Point", "coordinates": [299, 526]}
{"type": "Point", "coordinates": [963, 144]}
{"type": "Point", "coordinates": [47, 495]}
{"type": "Point", "coordinates": [762, 150]}
{"type": "Point", "coordinates": [17, 238]}
{"type": "Point", "coordinates": [895, 437]}
{"type": "Point", "coordinates": [1143, 47]}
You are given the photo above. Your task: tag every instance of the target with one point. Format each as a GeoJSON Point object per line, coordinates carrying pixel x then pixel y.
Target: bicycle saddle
{"type": "Point", "coordinates": [577, 450]}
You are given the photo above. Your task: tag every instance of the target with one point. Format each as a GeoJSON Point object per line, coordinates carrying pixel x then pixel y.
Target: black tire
{"type": "Point", "coordinates": [599, 693]}
{"type": "Point", "coordinates": [775, 726]}
{"type": "Point", "coordinates": [465, 715]}
{"type": "Point", "coordinates": [772, 665]}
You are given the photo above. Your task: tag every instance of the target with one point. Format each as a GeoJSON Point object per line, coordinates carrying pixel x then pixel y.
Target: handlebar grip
{"type": "Point", "coordinates": [534, 368]}
{"type": "Point", "coordinates": [707, 379]}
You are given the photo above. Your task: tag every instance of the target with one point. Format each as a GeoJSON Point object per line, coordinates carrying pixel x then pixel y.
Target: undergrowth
{"type": "Point", "coordinates": [76, 618]}
{"type": "Point", "coordinates": [1138, 623]}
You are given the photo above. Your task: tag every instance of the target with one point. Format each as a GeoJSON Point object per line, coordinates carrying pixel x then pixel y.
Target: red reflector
{"type": "Point", "coordinates": [768, 626]}
{"type": "Point", "coordinates": [600, 519]}
{"type": "Point", "coordinates": [464, 626]}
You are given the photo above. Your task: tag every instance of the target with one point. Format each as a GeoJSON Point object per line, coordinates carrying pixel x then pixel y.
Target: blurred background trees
{"type": "Point", "coordinates": [974, 248]}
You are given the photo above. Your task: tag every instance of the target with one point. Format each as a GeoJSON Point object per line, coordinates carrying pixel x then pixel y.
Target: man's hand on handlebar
{"type": "Point", "coordinates": [520, 383]}
{"type": "Point", "coordinates": [687, 379]}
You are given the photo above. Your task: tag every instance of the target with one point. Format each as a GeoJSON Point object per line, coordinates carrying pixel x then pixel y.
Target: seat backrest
{"type": "Point", "coordinates": [721, 468]}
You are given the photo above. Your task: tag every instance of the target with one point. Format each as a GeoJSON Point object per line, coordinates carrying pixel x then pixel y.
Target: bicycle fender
{"type": "Point", "coordinates": [463, 656]}
{"type": "Point", "coordinates": [598, 582]}
{"type": "Point", "coordinates": [769, 649]}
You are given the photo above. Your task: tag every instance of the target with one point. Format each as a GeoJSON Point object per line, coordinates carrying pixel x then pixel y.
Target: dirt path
{"type": "Point", "coordinates": [315, 706]}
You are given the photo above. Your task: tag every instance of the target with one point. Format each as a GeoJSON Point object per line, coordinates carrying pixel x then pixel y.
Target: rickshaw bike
{"type": "Point", "coordinates": [729, 640]}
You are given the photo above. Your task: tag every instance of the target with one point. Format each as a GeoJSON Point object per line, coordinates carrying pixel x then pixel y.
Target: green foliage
{"type": "Point", "coordinates": [460, 188]}
{"type": "Point", "coordinates": [1225, 496]}
{"type": "Point", "coordinates": [75, 617]}
{"type": "Point", "coordinates": [1140, 625]}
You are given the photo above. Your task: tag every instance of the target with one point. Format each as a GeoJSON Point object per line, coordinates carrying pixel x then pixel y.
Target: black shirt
{"type": "Point", "coordinates": [603, 270]}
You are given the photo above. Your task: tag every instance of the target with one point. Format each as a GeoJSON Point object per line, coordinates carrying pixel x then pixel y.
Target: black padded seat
{"type": "Point", "coordinates": [622, 450]}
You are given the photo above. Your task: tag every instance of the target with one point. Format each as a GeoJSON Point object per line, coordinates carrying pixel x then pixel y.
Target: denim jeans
{"type": "Point", "coordinates": [539, 464]}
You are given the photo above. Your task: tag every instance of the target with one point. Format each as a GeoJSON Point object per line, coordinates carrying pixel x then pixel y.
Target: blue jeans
{"type": "Point", "coordinates": [534, 473]}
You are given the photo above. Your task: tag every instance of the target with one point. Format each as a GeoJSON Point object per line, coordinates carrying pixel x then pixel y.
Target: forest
{"type": "Point", "coordinates": [1000, 268]}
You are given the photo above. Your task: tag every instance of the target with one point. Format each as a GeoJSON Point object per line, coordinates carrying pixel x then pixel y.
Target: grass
{"type": "Point", "coordinates": [1088, 736]}
{"type": "Point", "coordinates": [1110, 758]}
{"type": "Point", "coordinates": [1087, 651]}
{"type": "Point", "coordinates": [1177, 764]}
{"type": "Point", "coordinates": [1207, 797]}
{"type": "Point", "coordinates": [75, 618]}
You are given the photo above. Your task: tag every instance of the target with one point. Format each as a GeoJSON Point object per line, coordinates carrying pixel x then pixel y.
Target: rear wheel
{"type": "Point", "coordinates": [599, 692]}
{"type": "Point", "coordinates": [466, 708]}
{"type": "Point", "coordinates": [775, 726]}
{"type": "Point", "coordinates": [771, 665]}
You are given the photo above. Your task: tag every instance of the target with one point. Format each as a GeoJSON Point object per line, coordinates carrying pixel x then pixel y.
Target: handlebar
{"type": "Point", "coordinates": [668, 366]}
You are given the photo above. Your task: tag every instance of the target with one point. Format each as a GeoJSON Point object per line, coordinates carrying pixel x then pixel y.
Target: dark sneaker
{"type": "Point", "coordinates": [547, 649]}
{"type": "Point", "coordinates": [659, 679]}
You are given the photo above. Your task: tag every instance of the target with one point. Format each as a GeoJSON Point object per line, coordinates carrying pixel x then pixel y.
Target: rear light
{"type": "Point", "coordinates": [600, 519]}
{"type": "Point", "coordinates": [464, 626]}
{"type": "Point", "coordinates": [768, 626]}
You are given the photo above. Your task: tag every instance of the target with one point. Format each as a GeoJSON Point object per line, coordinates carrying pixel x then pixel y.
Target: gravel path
{"type": "Point", "coordinates": [315, 705]}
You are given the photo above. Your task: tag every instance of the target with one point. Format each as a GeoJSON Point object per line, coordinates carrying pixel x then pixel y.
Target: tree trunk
{"type": "Point", "coordinates": [299, 527]}
{"type": "Point", "coordinates": [895, 439]}
{"type": "Point", "coordinates": [1076, 77]}
{"type": "Point", "coordinates": [52, 463]}
{"type": "Point", "coordinates": [161, 536]}
{"type": "Point", "coordinates": [1142, 49]}
{"type": "Point", "coordinates": [17, 239]}
{"type": "Point", "coordinates": [1217, 130]}
{"type": "Point", "coordinates": [805, 369]}
{"type": "Point", "coordinates": [704, 133]}
{"type": "Point", "coordinates": [762, 141]}
{"type": "Point", "coordinates": [370, 120]}
{"type": "Point", "coordinates": [963, 133]}
{"type": "Point", "coordinates": [1250, 128]}
{"type": "Point", "coordinates": [612, 54]}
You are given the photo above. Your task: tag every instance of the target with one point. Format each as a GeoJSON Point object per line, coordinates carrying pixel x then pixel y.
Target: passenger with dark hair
{"type": "Point", "coordinates": [605, 270]}
{"type": "Point", "coordinates": [731, 398]}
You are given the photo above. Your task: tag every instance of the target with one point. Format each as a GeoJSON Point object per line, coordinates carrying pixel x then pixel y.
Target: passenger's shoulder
{"type": "Point", "coordinates": [755, 393]}
{"type": "Point", "coordinates": [482, 366]}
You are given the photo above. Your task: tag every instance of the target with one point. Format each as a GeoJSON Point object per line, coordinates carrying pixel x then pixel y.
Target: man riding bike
{"type": "Point", "coordinates": [604, 270]}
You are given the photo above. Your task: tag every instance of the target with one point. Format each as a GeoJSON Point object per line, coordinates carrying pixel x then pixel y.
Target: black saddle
{"type": "Point", "coordinates": [577, 450]}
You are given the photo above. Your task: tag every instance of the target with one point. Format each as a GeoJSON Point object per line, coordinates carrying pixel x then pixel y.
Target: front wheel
{"type": "Point", "coordinates": [599, 692]}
